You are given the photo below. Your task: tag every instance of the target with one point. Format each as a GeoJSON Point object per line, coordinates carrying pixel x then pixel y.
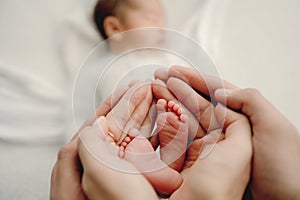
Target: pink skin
{"type": "Point", "coordinates": [139, 151]}
{"type": "Point", "coordinates": [172, 129]}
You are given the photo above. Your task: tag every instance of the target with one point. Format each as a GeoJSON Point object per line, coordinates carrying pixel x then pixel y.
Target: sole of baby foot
{"type": "Point", "coordinates": [172, 125]}
{"type": "Point", "coordinates": [141, 154]}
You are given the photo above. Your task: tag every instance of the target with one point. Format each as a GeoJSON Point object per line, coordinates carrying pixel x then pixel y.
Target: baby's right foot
{"type": "Point", "coordinates": [172, 128]}
{"type": "Point", "coordinates": [139, 151]}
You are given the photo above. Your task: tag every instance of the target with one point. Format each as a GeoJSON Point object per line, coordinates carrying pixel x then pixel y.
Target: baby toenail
{"type": "Point", "coordinates": [124, 144]}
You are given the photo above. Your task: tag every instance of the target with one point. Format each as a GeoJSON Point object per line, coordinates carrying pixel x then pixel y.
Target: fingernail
{"type": "Point", "coordinates": [223, 91]}
{"type": "Point", "coordinates": [160, 82]}
{"type": "Point", "coordinates": [134, 132]}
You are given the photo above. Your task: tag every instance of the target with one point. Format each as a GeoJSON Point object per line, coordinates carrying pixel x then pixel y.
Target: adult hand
{"type": "Point", "coordinates": [225, 171]}
{"type": "Point", "coordinates": [67, 171]}
{"type": "Point", "coordinates": [101, 164]}
{"type": "Point", "coordinates": [105, 175]}
{"type": "Point", "coordinates": [66, 174]}
{"type": "Point", "coordinates": [276, 141]}
{"type": "Point", "coordinates": [202, 83]}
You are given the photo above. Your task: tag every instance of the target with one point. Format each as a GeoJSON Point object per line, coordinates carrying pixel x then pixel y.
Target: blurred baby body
{"type": "Point", "coordinates": [136, 53]}
{"type": "Point", "coordinates": [137, 65]}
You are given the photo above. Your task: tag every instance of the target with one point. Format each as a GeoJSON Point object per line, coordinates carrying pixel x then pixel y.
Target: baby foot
{"type": "Point", "coordinates": [134, 133]}
{"type": "Point", "coordinates": [172, 129]}
{"type": "Point", "coordinates": [139, 151]}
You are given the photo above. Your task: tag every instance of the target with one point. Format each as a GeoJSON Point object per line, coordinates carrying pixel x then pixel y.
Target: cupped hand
{"type": "Point", "coordinates": [66, 174]}
{"type": "Point", "coordinates": [105, 175]}
{"type": "Point", "coordinates": [87, 177]}
{"type": "Point", "coordinates": [67, 171]}
{"type": "Point", "coordinates": [223, 170]}
{"type": "Point", "coordinates": [223, 173]}
{"type": "Point", "coordinates": [276, 142]}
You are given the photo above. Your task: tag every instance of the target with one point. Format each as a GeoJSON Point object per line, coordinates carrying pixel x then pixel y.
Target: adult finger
{"type": "Point", "coordinates": [253, 104]}
{"type": "Point", "coordinates": [106, 106]}
{"type": "Point", "coordinates": [201, 147]}
{"type": "Point", "coordinates": [161, 74]}
{"type": "Point", "coordinates": [236, 135]}
{"type": "Point", "coordinates": [202, 109]}
{"type": "Point", "coordinates": [149, 122]}
{"type": "Point", "coordinates": [66, 174]}
{"type": "Point", "coordinates": [160, 91]}
{"type": "Point", "coordinates": [236, 127]}
{"type": "Point", "coordinates": [141, 111]}
{"type": "Point", "coordinates": [203, 83]}
{"type": "Point", "coordinates": [104, 174]}
{"type": "Point", "coordinates": [124, 109]}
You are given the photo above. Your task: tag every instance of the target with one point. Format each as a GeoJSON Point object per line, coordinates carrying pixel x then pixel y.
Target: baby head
{"type": "Point", "coordinates": [115, 16]}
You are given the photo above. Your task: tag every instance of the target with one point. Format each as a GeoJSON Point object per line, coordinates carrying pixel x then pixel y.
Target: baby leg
{"type": "Point", "coordinates": [172, 130]}
{"type": "Point", "coordinates": [139, 151]}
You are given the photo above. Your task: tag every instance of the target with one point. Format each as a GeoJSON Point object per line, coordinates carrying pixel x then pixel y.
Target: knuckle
{"type": "Point", "coordinates": [107, 104]}
{"type": "Point", "coordinates": [64, 152]}
{"type": "Point", "coordinates": [251, 92]}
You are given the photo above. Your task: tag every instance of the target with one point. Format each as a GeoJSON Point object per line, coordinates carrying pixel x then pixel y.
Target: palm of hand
{"type": "Point", "coordinates": [225, 164]}
{"type": "Point", "coordinates": [225, 172]}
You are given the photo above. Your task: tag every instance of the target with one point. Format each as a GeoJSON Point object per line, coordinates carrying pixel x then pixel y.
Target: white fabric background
{"type": "Point", "coordinates": [42, 46]}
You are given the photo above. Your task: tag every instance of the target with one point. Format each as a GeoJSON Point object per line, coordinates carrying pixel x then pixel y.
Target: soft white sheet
{"type": "Point", "coordinates": [37, 69]}
{"type": "Point", "coordinates": [38, 66]}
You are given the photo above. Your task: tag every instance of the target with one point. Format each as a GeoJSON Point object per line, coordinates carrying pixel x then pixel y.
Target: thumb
{"type": "Point", "coordinates": [250, 101]}
{"type": "Point", "coordinates": [235, 125]}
